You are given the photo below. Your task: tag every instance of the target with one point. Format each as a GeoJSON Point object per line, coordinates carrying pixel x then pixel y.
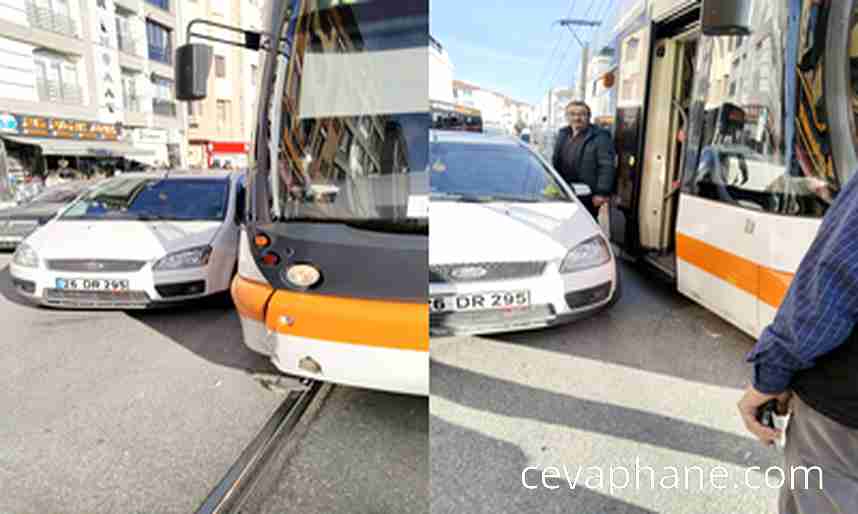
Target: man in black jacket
{"type": "Point", "coordinates": [584, 153]}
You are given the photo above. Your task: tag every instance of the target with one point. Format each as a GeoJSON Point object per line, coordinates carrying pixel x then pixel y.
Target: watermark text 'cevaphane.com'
{"type": "Point", "coordinates": [618, 478]}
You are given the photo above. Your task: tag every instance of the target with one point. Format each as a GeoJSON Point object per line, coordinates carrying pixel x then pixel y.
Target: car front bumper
{"type": "Point", "coordinates": [554, 299]}
{"type": "Point", "coordinates": [146, 288]}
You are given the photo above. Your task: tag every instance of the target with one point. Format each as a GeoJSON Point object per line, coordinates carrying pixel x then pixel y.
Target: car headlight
{"type": "Point", "coordinates": [25, 256]}
{"type": "Point", "coordinates": [588, 254]}
{"type": "Point", "coordinates": [191, 258]}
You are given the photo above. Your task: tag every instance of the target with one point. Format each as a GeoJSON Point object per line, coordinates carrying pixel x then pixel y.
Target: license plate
{"type": "Point", "coordinates": [480, 301]}
{"type": "Point", "coordinates": [92, 284]}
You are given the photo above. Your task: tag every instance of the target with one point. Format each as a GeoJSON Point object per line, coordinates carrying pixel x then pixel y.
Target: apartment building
{"type": "Point", "coordinates": [88, 80]}
{"type": "Point", "coordinates": [221, 126]}
{"type": "Point", "coordinates": [500, 112]}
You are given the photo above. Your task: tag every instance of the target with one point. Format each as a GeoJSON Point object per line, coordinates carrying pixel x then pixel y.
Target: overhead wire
{"type": "Point", "coordinates": [560, 66]}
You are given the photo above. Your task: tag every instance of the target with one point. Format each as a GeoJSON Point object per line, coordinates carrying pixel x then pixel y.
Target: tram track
{"type": "Point", "coordinates": [231, 492]}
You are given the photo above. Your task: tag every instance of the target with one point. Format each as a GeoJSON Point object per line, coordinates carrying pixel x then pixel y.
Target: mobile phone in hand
{"type": "Point", "coordinates": [766, 413]}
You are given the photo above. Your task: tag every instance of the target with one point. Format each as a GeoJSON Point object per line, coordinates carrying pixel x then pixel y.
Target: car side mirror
{"type": "Point", "coordinates": [582, 189]}
{"type": "Point", "coordinates": [193, 65]}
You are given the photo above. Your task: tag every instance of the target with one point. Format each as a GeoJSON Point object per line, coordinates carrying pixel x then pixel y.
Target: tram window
{"type": "Point", "coordinates": [738, 150]}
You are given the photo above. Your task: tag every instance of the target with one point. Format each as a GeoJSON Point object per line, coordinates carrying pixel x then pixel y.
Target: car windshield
{"type": "Point", "coordinates": [351, 145]}
{"type": "Point", "coordinates": [490, 172]}
{"type": "Point", "coordinates": [149, 199]}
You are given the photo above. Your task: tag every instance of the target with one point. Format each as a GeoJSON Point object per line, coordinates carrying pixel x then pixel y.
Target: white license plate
{"type": "Point", "coordinates": [480, 301]}
{"type": "Point", "coordinates": [92, 284]}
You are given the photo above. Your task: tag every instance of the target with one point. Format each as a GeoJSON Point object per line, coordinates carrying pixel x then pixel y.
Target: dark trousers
{"type": "Point", "coordinates": [588, 204]}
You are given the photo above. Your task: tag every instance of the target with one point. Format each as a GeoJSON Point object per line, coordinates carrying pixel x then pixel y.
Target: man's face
{"type": "Point", "coordinates": [577, 117]}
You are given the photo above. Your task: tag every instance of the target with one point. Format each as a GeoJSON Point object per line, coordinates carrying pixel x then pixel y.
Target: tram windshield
{"type": "Point", "coordinates": [348, 113]}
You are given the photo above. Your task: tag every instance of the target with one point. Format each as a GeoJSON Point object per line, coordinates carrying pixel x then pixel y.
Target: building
{"type": "Point", "coordinates": [89, 82]}
{"type": "Point", "coordinates": [499, 111]}
{"type": "Point", "coordinates": [220, 127]}
{"type": "Point", "coordinates": [598, 96]}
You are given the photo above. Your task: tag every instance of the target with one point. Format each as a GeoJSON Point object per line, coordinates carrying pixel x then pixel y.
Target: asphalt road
{"type": "Point", "coordinates": [647, 390]}
{"type": "Point", "coordinates": [144, 412]}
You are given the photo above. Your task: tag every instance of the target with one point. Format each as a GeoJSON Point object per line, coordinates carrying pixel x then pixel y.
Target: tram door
{"type": "Point", "coordinates": [660, 165]}
{"type": "Point", "coordinates": [628, 132]}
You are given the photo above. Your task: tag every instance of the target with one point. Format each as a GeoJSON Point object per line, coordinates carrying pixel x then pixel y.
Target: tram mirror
{"type": "Point", "coordinates": [726, 17]}
{"type": "Point", "coordinates": [193, 64]}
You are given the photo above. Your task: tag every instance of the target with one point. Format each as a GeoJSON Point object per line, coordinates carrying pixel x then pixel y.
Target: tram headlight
{"type": "Point", "coordinates": [25, 256]}
{"type": "Point", "coordinates": [303, 275]}
{"type": "Point", "coordinates": [588, 254]}
{"type": "Point", "coordinates": [191, 258]}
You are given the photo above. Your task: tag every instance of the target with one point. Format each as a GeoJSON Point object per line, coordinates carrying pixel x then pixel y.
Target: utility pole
{"type": "Point", "coordinates": [585, 50]}
{"type": "Point", "coordinates": [585, 61]}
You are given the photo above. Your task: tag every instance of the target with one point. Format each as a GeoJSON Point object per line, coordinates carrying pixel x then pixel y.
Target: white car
{"type": "Point", "coordinates": [136, 241]}
{"type": "Point", "coordinates": [510, 245]}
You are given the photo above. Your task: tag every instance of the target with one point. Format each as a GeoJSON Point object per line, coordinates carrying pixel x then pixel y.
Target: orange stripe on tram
{"type": "Point", "coordinates": [250, 297]}
{"type": "Point", "coordinates": [398, 325]}
{"type": "Point", "coordinates": [773, 286]}
{"type": "Point", "coordinates": [767, 284]}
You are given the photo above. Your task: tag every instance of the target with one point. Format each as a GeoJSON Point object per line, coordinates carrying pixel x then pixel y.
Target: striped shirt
{"type": "Point", "coordinates": [821, 306]}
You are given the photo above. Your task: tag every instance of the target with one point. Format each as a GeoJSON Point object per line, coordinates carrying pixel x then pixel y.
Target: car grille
{"type": "Point", "coordinates": [17, 228]}
{"type": "Point", "coordinates": [94, 265]}
{"type": "Point", "coordinates": [66, 298]}
{"type": "Point", "coordinates": [449, 323]}
{"type": "Point", "coordinates": [445, 273]}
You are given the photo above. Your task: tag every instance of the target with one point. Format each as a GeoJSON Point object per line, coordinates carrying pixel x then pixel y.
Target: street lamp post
{"type": "Point", "coordinates": [585, 49]}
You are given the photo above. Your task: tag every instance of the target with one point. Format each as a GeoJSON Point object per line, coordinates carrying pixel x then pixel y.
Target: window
{"type": "Point", "coordinates": [52, 15]}
{"type": "Point", "coordinates": [744, 157]}
{"type": "Point", "coordinates": [220, 66]}
{"type": "Point", "coordinates": [160, 42]}
{"type": "Point", "coordinates": [130, 99]}
{"type": "Point", "coordinates": [162, 100]}
{"type": "Point", "coordinates": [163, 4]}
{"type": "Point", "coordinates": [222, 114]}
{"type": "Point", "coordinates": [56, 78]}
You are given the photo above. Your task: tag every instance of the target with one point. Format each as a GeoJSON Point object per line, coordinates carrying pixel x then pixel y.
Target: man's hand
{"type": "Point", "coordinates": [748, 406]}
{"type": "Point", "coordinates": [599, 200]}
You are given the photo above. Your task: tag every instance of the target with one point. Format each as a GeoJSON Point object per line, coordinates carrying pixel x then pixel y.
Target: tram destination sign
{"type": "Point", "coordinates": [59, 128]}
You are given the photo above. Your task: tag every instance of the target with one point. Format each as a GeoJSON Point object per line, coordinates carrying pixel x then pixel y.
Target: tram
{"type": "Point", "coordinates": [735, 127]}
{"type": "Point", "coordinates": [333, 258]}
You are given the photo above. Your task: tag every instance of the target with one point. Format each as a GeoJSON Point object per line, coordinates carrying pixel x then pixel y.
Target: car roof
{"type": "Point", "coordinates": [460, 136]}
{"type": "Point", "coordinates": [184, 174]}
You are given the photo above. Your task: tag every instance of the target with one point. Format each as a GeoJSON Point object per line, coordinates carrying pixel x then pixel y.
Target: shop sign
{"type": "Point", "coordinates": [59, 128]}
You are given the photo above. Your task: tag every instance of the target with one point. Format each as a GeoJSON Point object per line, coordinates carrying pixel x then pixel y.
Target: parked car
{"type": "Point", "coordinates": [510, 245]}
{"type": "Point", "coordinates": [136, 241]}
{"type": "Point", "coordinates": [19, 221]}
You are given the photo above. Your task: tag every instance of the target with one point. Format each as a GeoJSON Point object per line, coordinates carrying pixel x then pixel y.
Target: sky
{"type": "Point", "coordinates": [513, 46]}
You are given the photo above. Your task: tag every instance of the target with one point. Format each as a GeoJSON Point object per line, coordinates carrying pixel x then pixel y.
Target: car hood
{"type": "Point", "coordinates": [137, 240]}
{"type": "Point", "coordinates": [31, 211]}
{"type": "Point", "coordinates": [510, 232]}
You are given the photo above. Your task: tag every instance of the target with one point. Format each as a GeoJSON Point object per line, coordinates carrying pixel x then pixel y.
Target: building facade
{"type": "Point", "coordinates": [73, 68]}
{"type": "Point", "coordinates": [221, 127]}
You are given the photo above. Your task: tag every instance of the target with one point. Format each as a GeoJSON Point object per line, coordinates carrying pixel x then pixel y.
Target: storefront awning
{"type": "Point", "coordinates": [81, 148]}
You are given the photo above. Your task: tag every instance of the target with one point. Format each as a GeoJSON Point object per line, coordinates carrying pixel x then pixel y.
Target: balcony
{"type": "Point", "coordinates": [163, 107]}
{"type": "Point", "coordinates": [127, 44]}
{"type": "Point", "coordinates": [46, 19]}
{"type": "Point", "coordinates": [56, 92]}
